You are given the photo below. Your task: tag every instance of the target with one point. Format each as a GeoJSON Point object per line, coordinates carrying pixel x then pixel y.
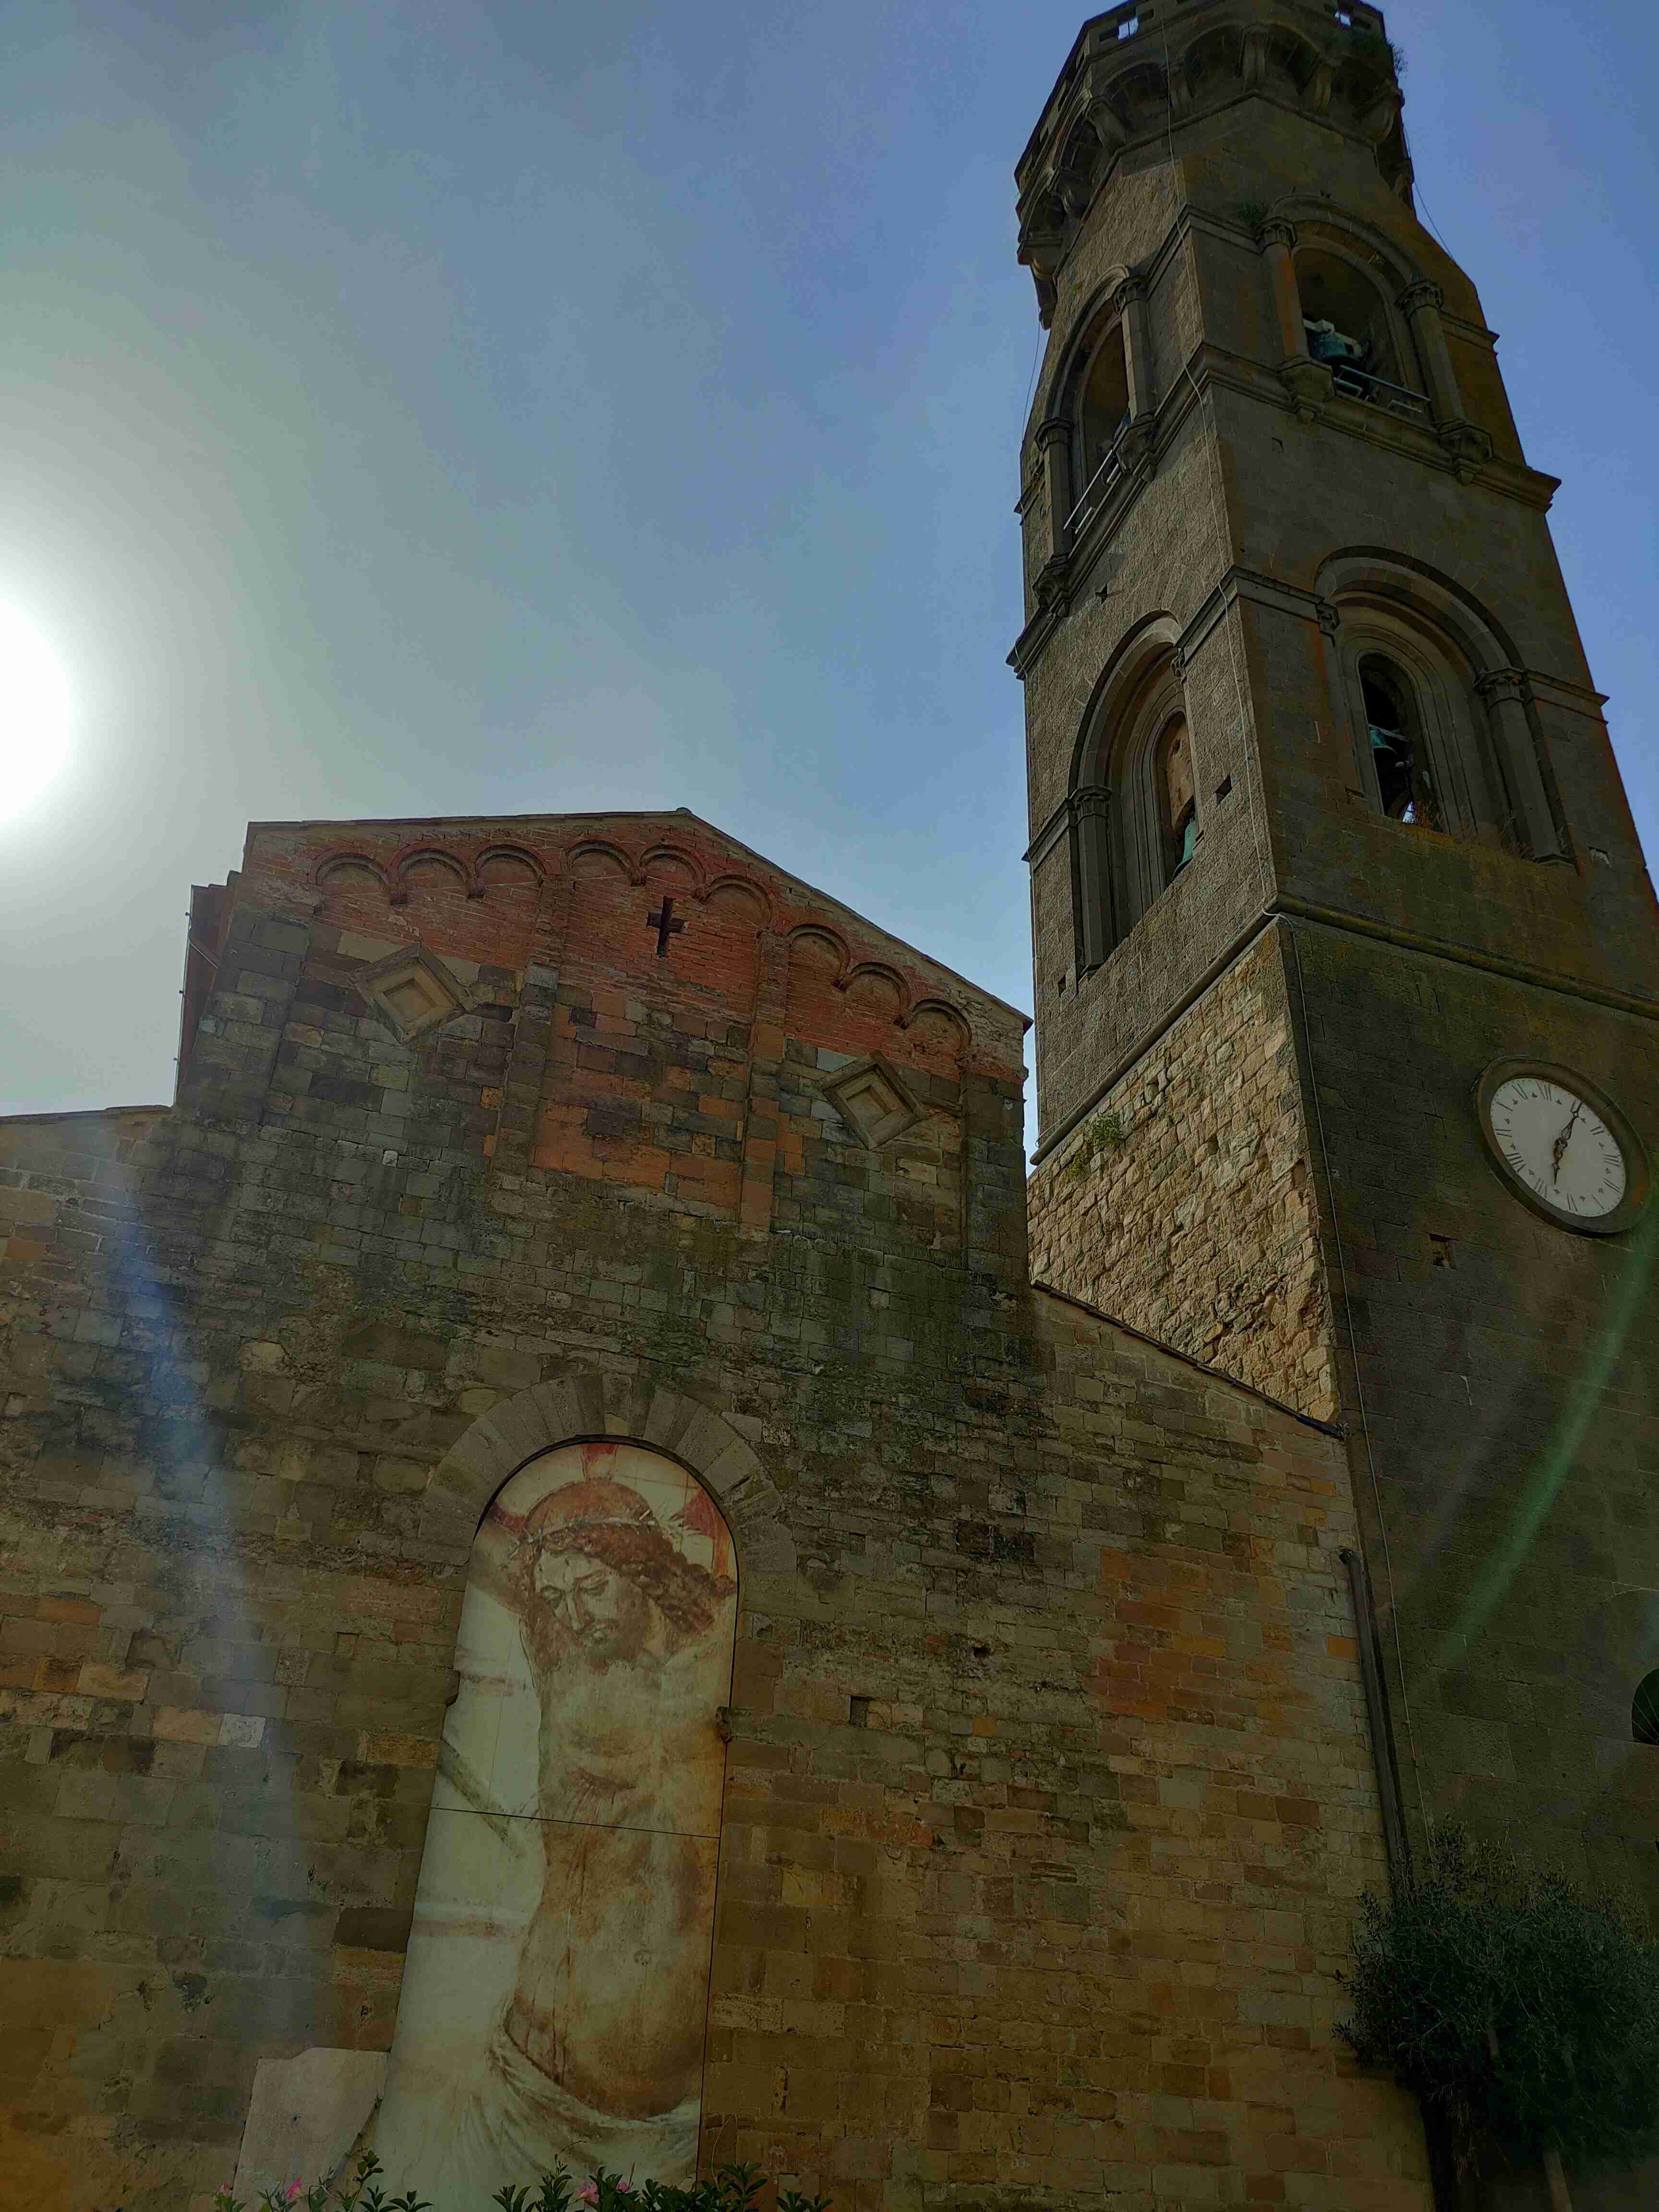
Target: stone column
{"type": "Point", "coordinates": [1421, 303]}
{"type": "Point", "coordinates": [1307, 380]}
{"type": "Point", "coordinates": [1503, 692]}
{"type": "Point", "coordinates": [1129, 303]}
{"type": "Point", "coordinates": [1053, 437]}
{"type": "Point", "coordinates": [1276, 241]}
{"type": "Point", "coordinates": [1091, 873]}
{"type": "Point", "coordinates": [1468, 446]}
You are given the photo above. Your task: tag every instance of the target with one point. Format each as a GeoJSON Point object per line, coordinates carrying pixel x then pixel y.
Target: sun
{"type": "Point", "coordinates": [37, 712]}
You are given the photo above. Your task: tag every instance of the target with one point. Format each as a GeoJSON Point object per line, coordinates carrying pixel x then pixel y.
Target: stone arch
{"type": "Point", "coordinates": [555, 2002]}
{"type": "Point", "coordinates": [1330, 225]}
{"type": "Point", "coordinates": [1116, 838]}
{"type": "Point", "coordinates": [584, 1404]}
{"type": "Point", "coordinates": [338, 867]}
{"type": "Point", "coordinates": [1490, 747]}
{"type": "Point", "coordinates": [1352, 571]}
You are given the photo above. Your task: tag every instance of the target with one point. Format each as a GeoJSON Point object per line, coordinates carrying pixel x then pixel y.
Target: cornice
{"type": "Point", "coordinates": [1284, 906]}
{"type": "Point", "coordinates": [1035, 241]}
{"type": "Point", "coordinates": [1065, 576]}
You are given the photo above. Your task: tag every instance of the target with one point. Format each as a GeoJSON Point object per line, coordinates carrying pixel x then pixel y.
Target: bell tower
{"type": "Point", "coordinates": [1346, 968]}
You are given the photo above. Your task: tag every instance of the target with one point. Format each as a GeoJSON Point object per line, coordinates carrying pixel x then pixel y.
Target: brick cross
{"type": "Point", "coordinates": [664, 923]}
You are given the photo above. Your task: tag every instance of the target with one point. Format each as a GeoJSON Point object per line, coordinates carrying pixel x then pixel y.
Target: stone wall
{"type": "Point", "coordinates": [1184, 1204]}
{"type": "Point", "coordinates": [1048, 1793]}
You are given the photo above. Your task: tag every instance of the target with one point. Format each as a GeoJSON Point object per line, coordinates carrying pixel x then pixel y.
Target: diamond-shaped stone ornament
{"type": "Point", "coordinates": [874, 1102]}
{"type": "Point", "coordinates": [413, 991]}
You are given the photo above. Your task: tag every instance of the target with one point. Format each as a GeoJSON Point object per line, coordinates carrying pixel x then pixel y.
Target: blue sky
{"type": "Point", "coordinates": [419, 409]}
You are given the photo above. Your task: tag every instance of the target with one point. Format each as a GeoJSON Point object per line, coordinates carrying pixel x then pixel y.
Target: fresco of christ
{"type": "Point", "coordinates": [556, 1992]}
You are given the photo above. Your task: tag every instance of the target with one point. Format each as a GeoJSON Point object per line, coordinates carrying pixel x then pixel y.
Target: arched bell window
{"type": "Point", "coordinates": [1176, 803]}
{"type": "Point", "coordinates": [1405, 784]}
{"type": "Point", "coordinates": [1102, 416]}
{"type": "Point", "coordinates": [1349, 327]}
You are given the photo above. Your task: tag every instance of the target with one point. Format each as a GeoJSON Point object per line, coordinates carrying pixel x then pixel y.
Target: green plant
{"type": "Point", "coordinates": [1101, 1136]}
{"type": "Point", "coordinates": [1379, 55]}
{"type": "Point", "coordinates": [1252, 213]}
{"type": "Point", "coordinates": [734, 2189]}
{"type": "Point", "coordinates": [1521, 2008]}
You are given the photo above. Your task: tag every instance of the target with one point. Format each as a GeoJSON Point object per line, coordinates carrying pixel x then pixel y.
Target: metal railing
{"type": "Point", "coordinates": [1094, 492]}
{"type": "Point", "coordinates": [1376, 392]}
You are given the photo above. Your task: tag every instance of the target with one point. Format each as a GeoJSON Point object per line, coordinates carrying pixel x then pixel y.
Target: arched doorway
{"type": "Point", "coordinates": [556, 1993]}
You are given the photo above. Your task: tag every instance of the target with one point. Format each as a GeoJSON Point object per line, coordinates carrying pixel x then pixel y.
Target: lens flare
{"type": "Point", "coordinates": [37, 713]}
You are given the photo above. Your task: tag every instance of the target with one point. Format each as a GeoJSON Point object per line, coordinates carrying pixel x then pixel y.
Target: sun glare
{"type": "Point", "coordinates": [36, 713]}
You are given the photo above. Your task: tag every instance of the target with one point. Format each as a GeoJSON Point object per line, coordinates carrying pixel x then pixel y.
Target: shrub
{"type": "Point", "coordinates": [1523, 2009]}
{"type": "Point", "coordinates": [734, 2189]}
{"type": "Point", "coordinates": [1100, 1137]}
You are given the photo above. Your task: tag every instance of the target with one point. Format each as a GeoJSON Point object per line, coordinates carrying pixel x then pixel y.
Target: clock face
{"type": "Point", "coordinates": [1556, 1144]}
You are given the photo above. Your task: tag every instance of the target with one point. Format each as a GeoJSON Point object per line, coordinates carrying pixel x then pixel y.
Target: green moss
{"type": "Point", "coordinates": [1101, 1137]}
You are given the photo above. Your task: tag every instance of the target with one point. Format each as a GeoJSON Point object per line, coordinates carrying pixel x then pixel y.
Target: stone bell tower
{"type": "Point", "coordinates": [1346, 970]}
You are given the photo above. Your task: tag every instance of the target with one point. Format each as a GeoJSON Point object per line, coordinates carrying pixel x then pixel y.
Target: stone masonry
{"type": "Point", "coordinates": [1185, 1202]}
{"type": "Point", "coordinates": [1050, 1790]}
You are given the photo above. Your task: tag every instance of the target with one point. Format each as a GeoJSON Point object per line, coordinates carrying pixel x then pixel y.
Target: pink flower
{"type": "Point", "coordinates": [293, 2190]}
{"type": "Point", "coordinates": [588, 2194]}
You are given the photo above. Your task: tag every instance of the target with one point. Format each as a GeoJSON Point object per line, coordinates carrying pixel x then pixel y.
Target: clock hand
{"type": "Point", "coordinates": [1558, 1150]}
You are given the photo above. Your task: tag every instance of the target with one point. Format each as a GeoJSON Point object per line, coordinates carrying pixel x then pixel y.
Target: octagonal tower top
{"type": "Point", "coordinates": [1144, 70]}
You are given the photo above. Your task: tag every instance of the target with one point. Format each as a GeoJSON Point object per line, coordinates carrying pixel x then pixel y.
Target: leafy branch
{"type": "Point", "coordinates": [1521, 2008]}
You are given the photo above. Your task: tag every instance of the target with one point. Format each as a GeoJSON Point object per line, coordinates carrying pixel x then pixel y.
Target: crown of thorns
{"type": "Point", "coordinates": [629, 1540]}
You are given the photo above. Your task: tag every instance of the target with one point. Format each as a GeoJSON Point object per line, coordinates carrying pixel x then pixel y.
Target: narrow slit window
{"type": "Point", "coordinates": [1644, 1710]}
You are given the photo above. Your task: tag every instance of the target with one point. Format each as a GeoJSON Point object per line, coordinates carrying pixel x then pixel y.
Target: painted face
{"type": "Point", "coordinates": [591, 1603]}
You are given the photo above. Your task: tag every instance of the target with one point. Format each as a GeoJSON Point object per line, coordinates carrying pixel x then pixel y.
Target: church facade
{"type": "Point", "coordinates": [592, 1571]}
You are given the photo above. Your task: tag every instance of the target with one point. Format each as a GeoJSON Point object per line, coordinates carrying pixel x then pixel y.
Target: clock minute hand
{"type": "Point", "coordinates": [1559, 1148]}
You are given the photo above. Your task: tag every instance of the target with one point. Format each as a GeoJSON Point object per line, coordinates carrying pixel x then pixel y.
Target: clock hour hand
{"type": "Point", "coordinates": [1558, 1150]}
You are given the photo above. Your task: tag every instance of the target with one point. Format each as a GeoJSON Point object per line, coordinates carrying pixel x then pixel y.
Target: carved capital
{"type": "Point", "coordinates": [1076, 191]}
{"type": "Point", "coordinates": [1052, 430]}
{"type": "Point", "coordinates": [1468, 447]}
{"type": "Point", "coordinates": [1051, 587]}
{"type": "Point", "coordinates": [1502, 687]}
{"type": "Point", "coordinates": [1090, 802]}
{"type": "Point", "coordinates": [1129, 293]}
{"type": "Point", "coordinates": [1103, 121]}
{"type": "Point", "coordinates": [1423, 294]}
{"type": "Point", "coordinates": [1134, 445]}
{"type": "Point", "coordinates": [1329, 614]}
{"type": "Point", "coordinates": [1308, 383]}
{"type": "Point", "coordinates": [1277, 230]}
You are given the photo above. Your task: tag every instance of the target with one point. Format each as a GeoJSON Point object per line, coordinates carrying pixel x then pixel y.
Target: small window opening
{"type": "Point", "coordinates": [1403, 783]}
{"type": "Point", "coordinates": [1644, 1710]}
{"type": "Point", "coordinates": [1346, 327]}
{"type": "Point", "coordinates": [1103, 416]}
{"type": "Point", "coordinates": [1176, 798]}
{"type": "Point", "coordinates": [1128, 26]}
{"type": "Point", "coordinates": [1343, 17]}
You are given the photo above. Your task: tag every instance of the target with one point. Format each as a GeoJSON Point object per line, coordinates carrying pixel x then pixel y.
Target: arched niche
{"type": "Point", "coordinates": [1135, 824]}
{"type": "Point", "coordinates": [555, 1996]}
{"type": "Point", "coordinates": [1436, 649]}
